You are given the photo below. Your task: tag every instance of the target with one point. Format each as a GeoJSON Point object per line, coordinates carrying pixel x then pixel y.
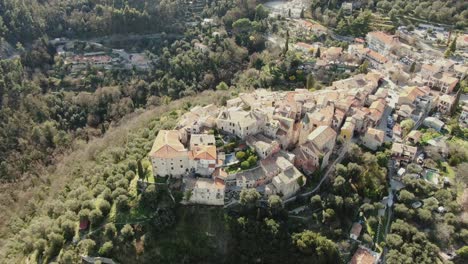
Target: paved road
{"type": "Point", "coordinates": [383, 123]}
{"type": "Point", "coordinates": [390, 173]}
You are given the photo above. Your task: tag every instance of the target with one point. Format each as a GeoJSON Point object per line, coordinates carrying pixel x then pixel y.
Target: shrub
{"type": "Point", "coordinates": [123, 183]}
{"type": "Point", "coordinates": [132, 165]}
{"type": "Point", "coordinates": [84, 214]}
{"type": "Point", "coordinates": [240, 155]}
{"type": "Point", "coordinates": [104, 206]}
{"type": "Point", "coordinates": [130, 175]}
{"type": "Point", "coordinates": [106, 195]}
{"type": "Point", "coordinates": [222, 86]}
{"type": "Point", "coordinates": [67, 257]}
{"type": "Point", "coordinates": [88, 204]}
{"type": "Point", "coordinates": [106, 249]}
{"type": "Point", "coordinates": [86, 246]}
{"type": "Point", "coordinates": [68, 229]}
{"type": "Point", "coordinates": [252, 161]}
{"type": "Point", "coordinates": [55, 244]}
{"type": "Point", "coordinates": [110, 231]}
{"type": "Point", "coordinates": [127, 232]}
{"type": "Point", "coordinates": [245, 165]}
{"type": "Point", "coordinates": [122, 202]}
{"type": "Point", "coordinates": [95, 216]}
{"type": "Point", "coordinates": [463, 252]}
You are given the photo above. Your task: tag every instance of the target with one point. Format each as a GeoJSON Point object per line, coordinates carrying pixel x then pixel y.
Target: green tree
{"type": "Point", "coordinates": [95, 217]}
{"type": "Point", "coordinates": [106, 249]}
{"type": "Point", "coordinates": [310, 83]}
{"type": "Point", "coordinates": [127, 232]}
{"type": "Point", "coordinates": [141, 173]}
{"type": "Point", "coordinates": [260, 12]}
{"type": "Point", "coordinates": [68, 229]}
{"type": "Point", "coordinates": [453, 45]}
{"type": "Point", "coordinates": [311, 243]}
{"type": "Point", "coordinates": [249, 197]}
{"type": "Point", "coordinates": [110, 231]}
{"type": "Point", "coordinates": [364, 67]}
{"type": "Point", "coordinates": [240, 155]}
{"type": "Point", "coordinates": [55, 244]}
{"type": "Point", "coordinates": [122, 202]}
{"type": "Point", "coordinates": [275, 203]}
{"type": "Point", "coordinates": [406, 126]}
{"type": "Point", "coordinates": [68, 257]}
{"type": "Point", "coordinates": [104, 206]}
{"type": "Point", "coordinates": [86, 246]}
{"type": "Point", "coordinates": [245, 165]}
{"type": "Point", "coordinates": [463, 252]}
{"type": "Point", "coordinates": [222, 86]}
{"type": "Point", "coordinates": [406, 196]}
{"type": "Point", "coordinates": [242, 29]}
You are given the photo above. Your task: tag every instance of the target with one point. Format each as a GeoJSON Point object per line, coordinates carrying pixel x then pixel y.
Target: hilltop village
{"type": "Point", "coordinates": [274, 141]}
{"type": "Point", "coordinates": [393, 98]}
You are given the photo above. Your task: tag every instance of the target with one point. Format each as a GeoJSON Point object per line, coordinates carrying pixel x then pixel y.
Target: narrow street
{"type": "Point", "coordinates": [390, 173]}
{"type": "Point", "coordinates": [330, 169]}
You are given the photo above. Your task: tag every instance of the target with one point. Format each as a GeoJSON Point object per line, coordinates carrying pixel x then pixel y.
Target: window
{"type": "Point", "coordinates": [181, 166]}
{"type": "Point", "coordinates": [172, 168]}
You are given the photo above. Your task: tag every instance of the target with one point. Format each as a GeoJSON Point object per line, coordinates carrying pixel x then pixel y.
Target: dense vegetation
{"type": "Point", "coordinates": [358, 23]}
{"type": "Point", "coordinates": [25, 21]}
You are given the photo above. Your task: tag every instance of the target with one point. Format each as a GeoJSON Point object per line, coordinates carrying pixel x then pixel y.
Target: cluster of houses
{"type": "Point", "coordinates": [98, 56]}
{"type": "Point", "coordinates": [293, 133]}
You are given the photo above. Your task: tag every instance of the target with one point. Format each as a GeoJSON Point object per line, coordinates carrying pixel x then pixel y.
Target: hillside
{"type": "Point", "coordinates": [30, 201]}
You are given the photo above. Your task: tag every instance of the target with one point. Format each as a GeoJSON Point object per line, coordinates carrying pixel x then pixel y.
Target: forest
{"type": "Point", "coordinates": [26, 21]}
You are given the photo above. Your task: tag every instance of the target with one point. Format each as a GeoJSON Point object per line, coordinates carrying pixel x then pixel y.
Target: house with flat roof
{"type": "Point", "coordinates": [263, 145]}
{"type": "Point", "coordinates": [414, 137]}
{"type": "Point", "coordinates": [381, 42]}
{"type": "Point", "coordinates": [434, 123]}
{"type": "Point", "coordinates": [446, 104]}
{"type": "Point", "coordinates": [202, 140]}
{"type": "Point", "coordinates": [239, 122]}
{"type": "Point", "coordinates": [204, 191]}
{"type": "Point", "coordinates": [404, 152]}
